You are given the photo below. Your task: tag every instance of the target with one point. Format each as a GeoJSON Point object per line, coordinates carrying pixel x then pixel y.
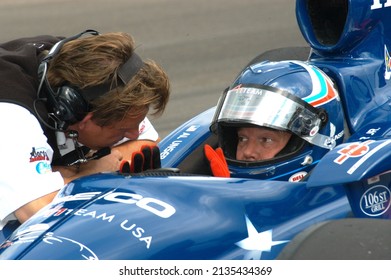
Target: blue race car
{"type": "Point", "coordinates": [181, 211]}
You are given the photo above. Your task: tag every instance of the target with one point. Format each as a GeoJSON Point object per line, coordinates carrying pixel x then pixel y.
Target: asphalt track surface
{"type": "Point", "coordinates": [202, 44]}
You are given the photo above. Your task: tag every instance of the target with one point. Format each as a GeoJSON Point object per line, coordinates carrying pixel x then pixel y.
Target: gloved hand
{"type": "Point", "coordinates": [147, 158]}
{"type": "Point", "coordinates": [217, 162]}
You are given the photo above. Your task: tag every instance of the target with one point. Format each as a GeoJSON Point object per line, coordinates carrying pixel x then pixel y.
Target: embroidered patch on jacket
{"type": "Point", "coordinates": [41, 158]}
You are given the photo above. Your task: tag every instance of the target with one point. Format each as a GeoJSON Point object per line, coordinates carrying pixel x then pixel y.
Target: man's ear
{"type": "Point", "coordinates": [85, 120]}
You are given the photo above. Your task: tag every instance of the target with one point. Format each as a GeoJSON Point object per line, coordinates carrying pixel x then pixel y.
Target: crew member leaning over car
{"type": "Point", "coordinates": [64, 104]}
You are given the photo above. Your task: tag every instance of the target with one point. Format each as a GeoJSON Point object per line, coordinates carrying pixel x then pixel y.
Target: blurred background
{"type": "Point", "coordinates": [202, 44]}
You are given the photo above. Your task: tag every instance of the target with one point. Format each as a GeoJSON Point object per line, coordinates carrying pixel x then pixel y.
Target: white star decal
{"type": "Point", "coordinates": [257, 242]}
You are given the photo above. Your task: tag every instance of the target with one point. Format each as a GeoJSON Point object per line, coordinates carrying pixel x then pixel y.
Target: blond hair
{"type": "Point", "coordinates": [95, 60]}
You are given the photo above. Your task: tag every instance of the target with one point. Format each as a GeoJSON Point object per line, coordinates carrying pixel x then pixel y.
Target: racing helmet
{"type": "Point", "coordinates": [292, 96]}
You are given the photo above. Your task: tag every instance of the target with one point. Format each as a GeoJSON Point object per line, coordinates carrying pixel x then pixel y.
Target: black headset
{"type": "Point", "coordinates": [68, 105]}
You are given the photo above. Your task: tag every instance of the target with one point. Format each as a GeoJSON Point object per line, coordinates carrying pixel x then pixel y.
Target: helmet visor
{"type": "Point", "coordinates": [270, 107]}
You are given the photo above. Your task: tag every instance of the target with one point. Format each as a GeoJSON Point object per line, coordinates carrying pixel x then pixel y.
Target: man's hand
{"type": "Point", "coordinates": [147, 158]}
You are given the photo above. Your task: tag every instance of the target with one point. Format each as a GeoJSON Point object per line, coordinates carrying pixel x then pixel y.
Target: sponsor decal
{"type": "Point", "coordinates": [379, 4]}
{"type": "Point", "coordinates": [314, 130]}
{"type": "Point", "coordinates": [43, 167]}
{"type": "Point", "coordinates": [297, 176]}
{"type": "Point", "coordinates": [373, 131]}
{"type": "Point", "coordinates": [357, 149]}
{"type": "Point", "coordinates": [367, 156]}
{"type": "Point", "coordinates": [41, 158]}
{"type": "Point", "coordinates": [177, 142]}
{"type": "Point", "coordinates": [135, 230]}
{"type": "Point", "coordinates": [375, 201]}
{"type": "Point", "coordinates": [370, 132]}
{"type": "Point", "coordinates": [38, 154]}
{"type": "Point", "coordinates": [151, 205]}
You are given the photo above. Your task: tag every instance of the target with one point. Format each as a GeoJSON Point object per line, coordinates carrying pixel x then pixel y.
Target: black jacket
{"type": "Point", "coordinates": [19, 61]}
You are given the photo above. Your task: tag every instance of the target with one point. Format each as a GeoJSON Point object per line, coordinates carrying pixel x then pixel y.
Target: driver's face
{"type": "Point", "coordinates": [258, 143]}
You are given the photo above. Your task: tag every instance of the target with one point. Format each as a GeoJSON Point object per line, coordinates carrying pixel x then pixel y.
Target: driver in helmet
{"type": "Point", "coordinates": [260, 143]}
{"type": "Point", "coordinates": [276, 121]}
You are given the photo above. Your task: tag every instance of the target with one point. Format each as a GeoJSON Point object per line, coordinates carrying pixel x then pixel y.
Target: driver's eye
{"type": "Point", "coordinates": [266, 140]}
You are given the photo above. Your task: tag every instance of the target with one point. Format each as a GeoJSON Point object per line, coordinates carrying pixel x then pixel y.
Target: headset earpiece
{"type": "Point", "coordinates": [65, 103]}
{"type": "Point", "coordinates": [71, 106]}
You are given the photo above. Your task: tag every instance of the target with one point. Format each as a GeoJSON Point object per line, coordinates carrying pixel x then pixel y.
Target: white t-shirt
{"type": "Point", "coordinates": [25, 165]}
